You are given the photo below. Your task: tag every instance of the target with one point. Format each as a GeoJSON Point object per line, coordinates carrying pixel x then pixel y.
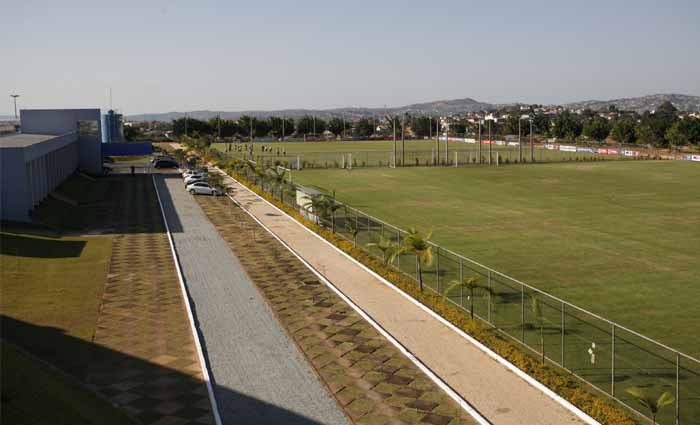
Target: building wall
{"type": "Point", "coordinates": [29, 174]}
{"type": "Point", "coordinates": [62, 121]}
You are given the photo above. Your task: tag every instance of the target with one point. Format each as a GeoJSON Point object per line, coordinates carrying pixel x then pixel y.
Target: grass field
{"type": "Point", "coordinates": [379, 152]}
{"type": "Point", "coordinates": [619, 239]}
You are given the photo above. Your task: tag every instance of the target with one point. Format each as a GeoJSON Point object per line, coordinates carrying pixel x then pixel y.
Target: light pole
{"type": "Point", "coordinates": [532, 146]}
{"type": "Point", "coordinates": [490, 143]}
{"type": "Point", "coordinates": [14, 98]}
{"type": "Point", "coordinates": [403, 140]}
{"type": "Point", "coordinates": [283, 120]}
{"type": "Point", "coordinates": [520, 144]}
{"type": "Point", "coordinates": [479, 140]}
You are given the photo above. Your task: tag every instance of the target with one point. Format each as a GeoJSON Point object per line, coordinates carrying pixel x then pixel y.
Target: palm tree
{"type": "Point", "coordinates": [386, 245]}
{"type": "Point", "coordinates": [539, 319]}
{"type": "Point", "coordinates": [471, 283]}
{"type": "Point", "coordinates": [351, 227]}
{"type": "Point", "coordinates": [418, 244]}
{"type": "Point", "coordinates": [648, 401]}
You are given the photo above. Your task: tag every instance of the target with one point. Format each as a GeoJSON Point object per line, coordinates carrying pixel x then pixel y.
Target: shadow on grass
{"type": "Point", "coordinates": [22, 246]}
{"type": "Point", "coordinates": [148, 391]}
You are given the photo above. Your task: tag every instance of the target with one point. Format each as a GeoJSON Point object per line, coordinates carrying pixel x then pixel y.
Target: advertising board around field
{"type": "Point", "coordinates": [613, 152]}
{"type": "Point", "coordinates": [500, 142]}
{"type": "Point", "coordinates": [630, 153]}
{"type": "Point", "coordinates": [551, 147]}
{"type": "Point", "coordinates": [567, 148]}
{"type": "Point", "coordinates": [589, 150]}
{"type": "Point", "coordinates": [469, 140]}
{"type": "Point", "coordinates": [602, 151]}
{"type": "Point", "coordinates": [513, 143]}
{"type": "Point", "coordinates": [695, 158]}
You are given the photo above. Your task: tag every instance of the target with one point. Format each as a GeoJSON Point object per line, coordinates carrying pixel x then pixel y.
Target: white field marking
{"type": "Point", "coordinates": [529, 379]}
{"type": "Point", "coordinates": [434, 377]}
{"type": "Point", "coordinates": [200, 354]}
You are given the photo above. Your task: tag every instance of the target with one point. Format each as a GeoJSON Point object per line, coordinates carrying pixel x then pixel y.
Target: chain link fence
{"type": "Point", "coordinates": [598, 351]}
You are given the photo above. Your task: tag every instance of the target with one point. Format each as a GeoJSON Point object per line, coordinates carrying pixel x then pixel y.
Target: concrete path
{"type": "Point", "coordinates": [497, 393]}
{"type": "Point", "coordinates": [259, 375]}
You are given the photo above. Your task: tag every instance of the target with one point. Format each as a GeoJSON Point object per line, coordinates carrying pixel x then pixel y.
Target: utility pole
{"type": "Point", "coordinates": [490, 143]}
{"type": "Point", "coordinates": [437, 139]}
{"type": "Point", "coordinates": [343, 115]}
{"type": "Point", "coordinates": [283, 120]}
{"type": "Point", "coordinates": [314, 125]}
{"type": "Point", "coordinates": [447, 143]}
{"type": "Point", "coordinates": [520, 144]}
{"type": "Point", "coordinates": [185, 125]}
{"type": "Point", "coordinates": [252, 136]}
{"type": "Point", "coordinates": [218, 125]}
{"type": "Point", "coordinates": [532, 146]}
{"type": "Point", "coordinates": [14, 98]}
{"type": "Point", "coordinates": [393, 125]}
{"type": "Point", "coordinates": [403, 140]}
{"type": "Point", "coordinates": [479, 140]}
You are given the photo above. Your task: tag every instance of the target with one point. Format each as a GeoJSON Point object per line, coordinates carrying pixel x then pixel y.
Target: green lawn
{"type": "Point", "coordinates": [51, 288]}
{"type": "Point", "coordinates": [379, 152]}
{"type": "Point", "coordinates": [620, 239]}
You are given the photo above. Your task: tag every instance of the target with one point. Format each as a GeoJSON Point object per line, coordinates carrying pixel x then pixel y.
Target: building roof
{"type": "Point", "coordinates": [21, 140]}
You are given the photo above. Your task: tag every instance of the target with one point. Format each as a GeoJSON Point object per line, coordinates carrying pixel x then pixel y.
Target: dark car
{"type": "Point", "coordinates": [166, 163]}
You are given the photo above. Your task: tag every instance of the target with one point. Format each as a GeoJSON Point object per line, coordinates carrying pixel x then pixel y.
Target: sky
{"type": "Point", "coordinates": [165, 55]}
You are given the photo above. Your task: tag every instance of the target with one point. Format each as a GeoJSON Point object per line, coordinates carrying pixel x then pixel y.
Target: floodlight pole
{"type": "Point", "coordinates": [314, 125]}
{"type": "Point", "coordinates": [283, 120]}
{"type": "Point", "coordinates": [437, 140]}
{"type": "Point", "coordinates": [393, 125]}
{"type": "Point", "coordinates": [447, 143]}
{"type": "Point", "coordinates": [532, 146]}
{"type": "Point", "coordinates": [490, 143]}
{"type": "Point", "coordinates": [14, 98]}
{"type": "Point", "coordinates": [520, 144]}
{"type": "Point", "coordinates": [479, 140]}
{"type": "Point", "coordinates": [403, 140]}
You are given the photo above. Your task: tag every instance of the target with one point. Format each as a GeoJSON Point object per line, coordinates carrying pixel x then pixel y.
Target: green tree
{"type": "Point", "coordinates": [307, 123]}
{"type": "Point", "coordinates": [541, 124]}
{"type": "Point", "coordinates": [566, 125]}
{"type": "Point", "coordinates": [418, 244]}
{"type": "Point", "coordinates": [684, 132]}
{"type": "Point", "coordinates": [596, 128]}
{"type": "Point", "coordinates": [423, 126]}
{"type": "Point", "coordinates": [510, 124]}
{"type": "Point", "coordinates": [653, 404]}
{"type": "Point", "coordinates": [623, 131]}
{"type": "Point", "coordinates": [245, 123]}
{"type": "Point", "coordinates": [363, 128]}
{"type": "Point", "coordinates": [336, 126]}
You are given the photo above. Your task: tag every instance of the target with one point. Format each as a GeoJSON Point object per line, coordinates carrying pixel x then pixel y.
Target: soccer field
{"type": "Point", "coordinates": [333, 154]}
{"type": "Point", "coordinates": [620, 239]}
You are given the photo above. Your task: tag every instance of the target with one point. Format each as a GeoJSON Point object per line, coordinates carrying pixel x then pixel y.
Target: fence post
{"type": "Point", "coordinates": [417, 266]}
{"type": "Point", "coordinates": [437, 267]}
{"type": "Point", "coordinates": [398, 241]}
{"type": "Point", "coordinates": [461, 279]}
{"type": "Point", "coordinates": [522, 312]}
{"type": "Point", "coordinates": [612, 377]}
{"type": "Point", "coordinates": [563, 331]}
{"type": "Point", "coordinates": [678, 398]}
{"type": "Point", "coordinates": [488, 311]}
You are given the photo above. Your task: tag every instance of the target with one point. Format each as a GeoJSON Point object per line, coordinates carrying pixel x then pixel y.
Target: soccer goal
{"type": "Point", "coordinates": [287, 172]}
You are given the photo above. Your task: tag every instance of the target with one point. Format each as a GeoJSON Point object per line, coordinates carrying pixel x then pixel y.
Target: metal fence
{"type": "Point", "coordinates": [458, 156]}
{"type": "Point", "coordinates": [598, 351]}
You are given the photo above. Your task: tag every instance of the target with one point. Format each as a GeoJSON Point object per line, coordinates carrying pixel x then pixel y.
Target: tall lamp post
{"type": "Point", "coordinates": [14, 98]}
{"type": "Point", "coordinates": [532, 146]}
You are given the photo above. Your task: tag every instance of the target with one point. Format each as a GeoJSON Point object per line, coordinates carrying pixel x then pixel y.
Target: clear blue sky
{"type": "Point", "coordinates": [163, 56]}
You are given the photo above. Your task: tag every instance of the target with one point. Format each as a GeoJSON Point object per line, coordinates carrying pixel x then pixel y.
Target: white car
{"type": "Point", "coordinates": [203, 188]}
{"type": "Point", "coordinates": [195, 178]}
{"type": "Point", "coordinates": [190, 172]}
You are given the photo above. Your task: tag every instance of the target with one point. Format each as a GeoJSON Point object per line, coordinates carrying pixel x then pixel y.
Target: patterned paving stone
{"type": "Point", "coordinates": [153, 370]}
{"type": "Point", "coordinates": [370, 378]}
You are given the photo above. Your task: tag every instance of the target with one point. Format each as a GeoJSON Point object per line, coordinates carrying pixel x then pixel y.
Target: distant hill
{"type": "Point", "coordinates": [437, 108]}
{"type": "Point", "coordinates": [440, 107]}
{"type": "Point", "coordinates": [640, 104]}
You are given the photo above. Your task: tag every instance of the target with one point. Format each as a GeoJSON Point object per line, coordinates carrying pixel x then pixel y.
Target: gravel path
{"type": "Point", "coordinates": [259, 375]}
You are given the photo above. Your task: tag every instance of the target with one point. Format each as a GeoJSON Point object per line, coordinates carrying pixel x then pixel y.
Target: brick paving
{"type": "Point", "coordinates": [369, 377]}
{"type": "Point", "coordinates": [151, 368]}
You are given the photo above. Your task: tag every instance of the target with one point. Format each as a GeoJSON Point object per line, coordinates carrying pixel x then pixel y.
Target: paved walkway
{"type": "Point", "coordinates": [259, 375]}
{"type": "Point", "coordinates": [497, 393]}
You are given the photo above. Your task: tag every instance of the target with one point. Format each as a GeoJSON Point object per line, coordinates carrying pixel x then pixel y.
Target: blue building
{"type": "Point", "coordinates": [112, 127]}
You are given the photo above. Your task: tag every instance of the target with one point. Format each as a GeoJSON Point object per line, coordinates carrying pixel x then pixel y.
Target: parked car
{"type": "Point", "coordinates": [166, 163]}
{"type": "Point", "coordinates": [195, 178]}
{"type": "Point", "coordinates": [191, 172]}
{"type": "Point", "coordinates": [203, 188]}
{"type": "Point", "coordinates": [161, 158]}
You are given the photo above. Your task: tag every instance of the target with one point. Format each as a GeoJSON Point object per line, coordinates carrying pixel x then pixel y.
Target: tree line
{"type": "Point", "coordinates": [662, 128]}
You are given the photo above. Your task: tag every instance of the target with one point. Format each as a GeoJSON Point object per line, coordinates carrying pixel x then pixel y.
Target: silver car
{"type": "Point", "coordinates": [203, 188]}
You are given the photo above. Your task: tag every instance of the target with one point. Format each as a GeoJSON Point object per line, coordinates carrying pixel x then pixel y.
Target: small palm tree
{"type": "Point", "coordinates": [648, 401]}
{"type": "Point", "coordinates": [470, 283]}
{"type": "Point", "coordinates": [386, 245]}
{"type": "Point", "coordinates": [539, 320]}
{"type": "Point", "coordinates": [351, 227]}
{"type": "Point", "coordinates": [418, 244]}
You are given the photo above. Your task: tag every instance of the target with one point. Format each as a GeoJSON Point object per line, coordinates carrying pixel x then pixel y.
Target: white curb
{"type": "Point", "coordinates": [200, 354]}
